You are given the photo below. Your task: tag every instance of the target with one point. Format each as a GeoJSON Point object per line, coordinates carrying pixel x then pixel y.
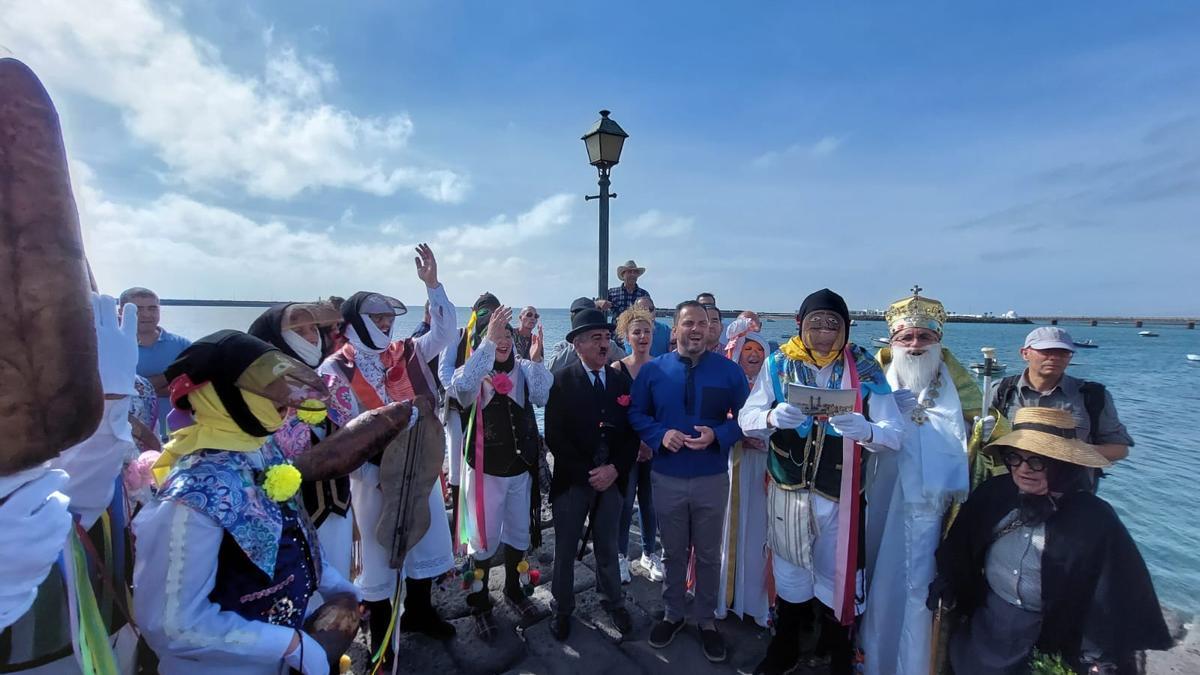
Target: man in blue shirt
{"type": "Point", "coordinates": [157, 348]}
{"type": "Point", "coordinates": [660, 341]}
{"type": "Point", "coordinates": [685, 406]}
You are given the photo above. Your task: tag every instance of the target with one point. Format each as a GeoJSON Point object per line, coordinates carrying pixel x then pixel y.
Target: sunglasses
{"type": "Point", "coordinates": [536, 316]}
{"type": "Point", "coordinates": [1014, 459]}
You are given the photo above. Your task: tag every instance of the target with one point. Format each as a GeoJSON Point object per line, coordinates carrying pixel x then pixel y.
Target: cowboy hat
{"type": "Point", "coordinates": [588, 319]}
{"type": "Point", "coordinates": [629, 266]}
{"type": "Point", "coordinates": [1048, 432]}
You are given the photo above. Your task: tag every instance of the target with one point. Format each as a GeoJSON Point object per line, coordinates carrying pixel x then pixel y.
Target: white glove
{"type": "Point", "coordinates": [905, 400]}
{"type": "Point", "coordinates": [853, 426]}
{"type": "Point", "coordinates": [308, 657]}
{"type": "Point", "coordinates": [116, 341]}
{"type": "Point", "coordinates": [786, 416]}
{"type": "Point", "coordinates": [34, 523]}
{"type": "Point", "coordinates": [986, 426]}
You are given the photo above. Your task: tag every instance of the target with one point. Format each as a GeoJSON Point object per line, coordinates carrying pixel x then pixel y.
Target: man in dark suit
{"type": "Point", "coordinates": [588, 432]}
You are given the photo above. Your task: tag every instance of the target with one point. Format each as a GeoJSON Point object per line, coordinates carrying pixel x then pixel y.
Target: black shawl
{"type": "Point", "coordinates": [1095, 585]}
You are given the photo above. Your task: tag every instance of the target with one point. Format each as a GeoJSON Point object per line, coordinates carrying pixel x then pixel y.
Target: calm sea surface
{"type": "Point", "coordinates": [1156, 390]}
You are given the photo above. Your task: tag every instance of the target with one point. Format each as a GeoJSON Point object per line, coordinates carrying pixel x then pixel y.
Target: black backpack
{"type": "Point", "coordinates": [1093, 400]}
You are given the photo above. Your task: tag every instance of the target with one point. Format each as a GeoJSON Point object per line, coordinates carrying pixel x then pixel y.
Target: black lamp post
{"type": "Point", "coordinates": [604, 142]}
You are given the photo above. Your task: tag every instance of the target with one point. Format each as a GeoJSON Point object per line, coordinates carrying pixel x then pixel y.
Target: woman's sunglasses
{"type": "Point", "coordinates": [1014, 459]}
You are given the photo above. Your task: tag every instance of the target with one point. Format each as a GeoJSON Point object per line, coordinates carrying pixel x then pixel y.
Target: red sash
{"type": "Point", "coordinates": [849, 512]}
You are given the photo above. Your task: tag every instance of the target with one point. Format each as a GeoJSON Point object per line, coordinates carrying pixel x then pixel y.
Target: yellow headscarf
{"type": "Point", "coordinates": [215, 429]}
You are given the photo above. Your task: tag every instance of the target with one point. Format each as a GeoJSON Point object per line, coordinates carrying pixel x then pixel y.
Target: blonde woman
{"type": "Point", "coordinates": [636, 327]}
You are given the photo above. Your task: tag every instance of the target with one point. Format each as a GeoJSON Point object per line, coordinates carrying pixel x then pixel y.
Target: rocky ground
{"type": "Point", "coordinates": [594, 646]}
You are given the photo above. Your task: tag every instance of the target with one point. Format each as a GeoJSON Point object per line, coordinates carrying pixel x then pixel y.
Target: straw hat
{"type": "Point", "coordinates": [629, 266]}
{"type": "Point", "coordinates": [1048, 432]}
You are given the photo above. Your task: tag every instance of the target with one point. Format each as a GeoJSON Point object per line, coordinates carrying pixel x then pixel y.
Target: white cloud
{"type": "Point", "coordinates": [273, 135]}
{"type": "Point", "coordinates": [823, 147]}
{"type": "Point", "coordinates": [545, 218]}
{"type": "Point", "coordinates": [183, 247]}
{"type": "Point", "coordinates": [654, 223]}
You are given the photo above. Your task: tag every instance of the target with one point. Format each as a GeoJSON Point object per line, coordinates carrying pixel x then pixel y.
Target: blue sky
{"type": "Point", "coordinates": [1041, 157]}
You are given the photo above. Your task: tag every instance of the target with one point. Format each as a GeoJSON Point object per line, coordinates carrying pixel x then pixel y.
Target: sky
{"type": "Point", "coordinates": [1036, 157]}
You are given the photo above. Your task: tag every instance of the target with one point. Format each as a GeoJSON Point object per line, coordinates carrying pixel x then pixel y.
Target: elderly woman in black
{"type": "Point", "coordinates": [1036, 562]}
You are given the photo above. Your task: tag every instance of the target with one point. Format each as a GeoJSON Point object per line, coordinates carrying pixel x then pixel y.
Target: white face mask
{"type": "Point", "coordinates": [309, 353]}
{"type": "Point", "coordinates": [378, 337]}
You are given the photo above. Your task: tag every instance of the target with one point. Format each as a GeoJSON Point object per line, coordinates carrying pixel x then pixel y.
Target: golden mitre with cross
{"type": "Point", "coordinates": [915, 311]}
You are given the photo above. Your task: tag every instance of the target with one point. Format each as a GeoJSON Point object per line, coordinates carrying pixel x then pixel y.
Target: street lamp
{"type": "Point", "coordinates": [604, 142]}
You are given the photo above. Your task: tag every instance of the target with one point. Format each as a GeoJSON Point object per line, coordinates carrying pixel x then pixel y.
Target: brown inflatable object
{"type": "Point", "coordinates": [50, 395]}
{"type": "Point", "coordinates": [351, 446]}
{"type": "Point", "coordinates": [410, 465]}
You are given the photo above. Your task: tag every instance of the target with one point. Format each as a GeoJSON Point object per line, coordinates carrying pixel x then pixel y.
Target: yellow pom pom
{"type": "Point", "coordinates": [311, 412]}
{"type": "Point", "coordinates": [344, 664]}
{"type": "Point", "coordinates": [523, 566]}
{"type": "Point", "coordinates": [478, 573]}
{"type": "Point", "coordinates": [281, 482]}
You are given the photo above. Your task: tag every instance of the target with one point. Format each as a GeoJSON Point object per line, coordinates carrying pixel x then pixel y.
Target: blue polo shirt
{"type": "Point", "coordinates": [670, 393]}
{"type": "Point", "coordinates": [660, 340]}
{"type": "Point", "coordinates": [154, 359]}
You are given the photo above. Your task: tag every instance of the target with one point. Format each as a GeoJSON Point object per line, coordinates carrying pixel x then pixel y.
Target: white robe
{"type": "Point", "coordinates": [907, 496]}
{"type": "Point", "coordinates": [747, 561]}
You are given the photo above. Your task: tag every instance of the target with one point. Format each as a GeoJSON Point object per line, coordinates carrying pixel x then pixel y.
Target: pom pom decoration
{"type": "Point", "coordinates": [524, 579]}
{"type": "Point", "coordinates": [476, 586]}
{"type": "Point", "coordinates": [523, 566]}
{"type": "Point", "coordinates": [281, 482]}
{"type": "Point", "coordinates": [535, 576]}
{"type": "Point", "coordinates": [478, 574]}
{"type": "Point", "coordinates": [502, 383]}
{"type": "Point", "coordinates": [312, 412]}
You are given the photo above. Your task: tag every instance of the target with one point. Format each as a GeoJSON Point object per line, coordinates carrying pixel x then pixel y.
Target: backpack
{"type": "Point", "coordinates": [1093, 400]}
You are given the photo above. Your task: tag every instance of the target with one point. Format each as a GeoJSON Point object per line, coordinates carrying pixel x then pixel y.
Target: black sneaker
{"type": "Point", "coordinates": [714, 645]}
{"type": "Point", "coordinates": [663, 632]}
{"type": "Point", "coordinates": [621, 620]}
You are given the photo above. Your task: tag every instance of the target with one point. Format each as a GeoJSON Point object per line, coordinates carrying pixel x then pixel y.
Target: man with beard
{"type": "Point", "coordinates": [911, 490]}
{"type": "Point", "coordinates": [814, 492]}
{"type": "Point", "coordinates": [685, 406]}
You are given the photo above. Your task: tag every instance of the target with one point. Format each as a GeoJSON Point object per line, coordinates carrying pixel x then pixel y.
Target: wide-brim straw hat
{"type": "Point", "coordinates": [1048, 432]}
{"type": "Point", "coordinates": [629, 266]}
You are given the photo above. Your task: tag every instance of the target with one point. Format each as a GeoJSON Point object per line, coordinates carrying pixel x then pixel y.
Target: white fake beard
{"type": "Point", "coordinates": [916, 372]}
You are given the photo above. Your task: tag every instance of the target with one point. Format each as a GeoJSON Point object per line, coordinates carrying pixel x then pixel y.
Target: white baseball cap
{"type": "Point", "coordinates": [1049, 337]}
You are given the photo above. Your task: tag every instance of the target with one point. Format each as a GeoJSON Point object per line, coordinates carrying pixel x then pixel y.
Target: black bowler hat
{"type": "Point", "coordinates": [588, 319]}
{"type": "Point", "coordinates": [581, 304]}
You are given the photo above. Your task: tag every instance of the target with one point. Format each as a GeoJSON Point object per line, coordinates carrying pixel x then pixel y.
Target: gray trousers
{"type": "Point", "coordinates": [691, 517]}
{"type": "Point", "coordinates": [571, 509]}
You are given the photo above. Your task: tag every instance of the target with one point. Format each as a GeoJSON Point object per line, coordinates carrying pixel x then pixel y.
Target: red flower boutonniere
{"type": "Point", "coordinates": [623, 400]}
{"type": "Point", "coordinates": [502, 384]}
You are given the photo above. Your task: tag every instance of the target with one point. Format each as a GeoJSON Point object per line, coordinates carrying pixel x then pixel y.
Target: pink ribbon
{"type": "Point", "coordinates": [849, 512]}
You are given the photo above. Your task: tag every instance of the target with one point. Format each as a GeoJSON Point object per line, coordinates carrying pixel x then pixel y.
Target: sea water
{"type": "Point", "coordinates": [1156, 391]}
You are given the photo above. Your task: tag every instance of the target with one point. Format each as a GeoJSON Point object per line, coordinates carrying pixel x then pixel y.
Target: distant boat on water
{"type": "Point", "coordinates": [1087, 344]}
{"type": "Point", "coordinates": [883, 341]}
{"type": "Point", "coordinates": [1147, 333]}
{"type": "Point", "coordinates": [1193, 357]}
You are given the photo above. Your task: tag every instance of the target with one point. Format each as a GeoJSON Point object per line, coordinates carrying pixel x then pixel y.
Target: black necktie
{"type": "Point", "coordinates": [596, 383]}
